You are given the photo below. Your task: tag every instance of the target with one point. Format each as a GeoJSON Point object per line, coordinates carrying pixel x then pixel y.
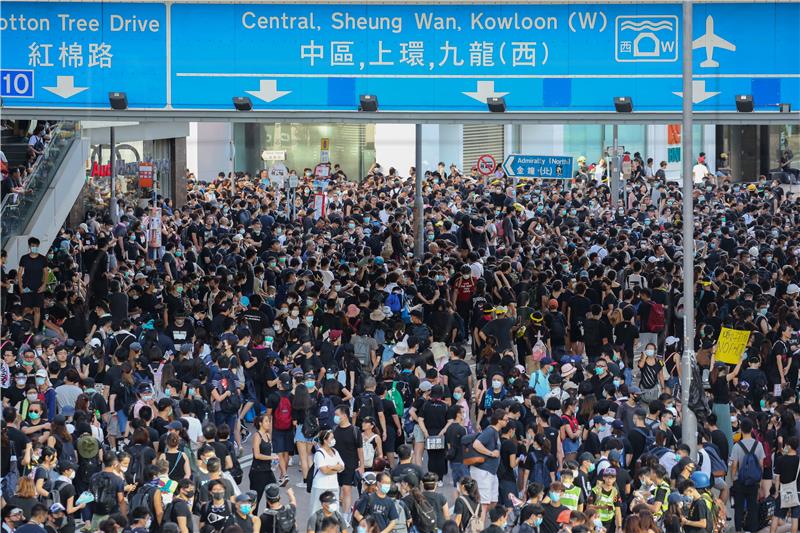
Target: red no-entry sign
{"type": "Point", "coordinates": [486, 164]}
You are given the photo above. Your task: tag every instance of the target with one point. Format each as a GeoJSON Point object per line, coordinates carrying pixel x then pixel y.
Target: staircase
{"type": "Point", "coordinates": [50, 191]}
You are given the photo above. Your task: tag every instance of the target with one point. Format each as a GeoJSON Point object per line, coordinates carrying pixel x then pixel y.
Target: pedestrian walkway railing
{"type": "Point", "coordinates": [19, 207]}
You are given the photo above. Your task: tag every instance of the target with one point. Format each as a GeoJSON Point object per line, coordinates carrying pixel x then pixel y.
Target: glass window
{"type": "Point", "coordinates": [631, 136]}
{"type": "Point", "coordinates": [352, 146]}
{"type": "Point", "coordinates": [583, 139]}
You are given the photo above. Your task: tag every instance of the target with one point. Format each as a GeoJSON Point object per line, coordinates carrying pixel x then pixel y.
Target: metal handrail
{"type": "Point", "coordinates": [17, 210]}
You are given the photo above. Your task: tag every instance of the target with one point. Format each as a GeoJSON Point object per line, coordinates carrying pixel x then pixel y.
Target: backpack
{"type": "Point", "coordinates": [143, 497]}
{"type": "Point", "coordinates": [395, 302]}
{"type": "Point", "coordinates": [427, 518]}
{"type": "Point", "coordinates": [473, 525]}
{"type": "Point", "coordinates": [366, 406]}
{"type": "Point", "coordinates": [87, 466]}
{"type": "Point", "coordinates": [558, 328]}
{"type": "Point", "coordinates": [326, 410]}
{"type": "Point", "coordinates": [311, 424]}
{"type": "Point", "coordinates": [361, 350]}
{"type": "Point", "coordinates": [649, 439]}
{"type": "Point", "coordinates": [312, 472]}
{"type": "Point", "coordinates": [67, 450]}
{"type": "Point", "coordinates": [655, 319]}
{"type": "Point", "coordinates": [236, 472]}
{"type": "Point", "coordinates": [231, 404]}
{"type": "Point", "coordinates": [136, 468]}
{"type": "Point", "coordinates": [750, 470]}
{"type": "Point", "coordinates": [538, 467]}
{"type": "Point", "coordinates": [471, 455]}
{"type": "Point", "coordinates": [759, 436]}
{"type": "Point", "coordinates": [105, 495]}
{"type": "Point", "coordinates": [369, 452]}
{"type": "Point", "coordinates": [719, 468]}
{"type": "Point", "coordinates": [283, 519]}
{"type": "Point", "coordinates": [55, 492]}
{"type": "Point", "coordinates": [283, 414]}
{"type": "Point", "coordinates": [716, 514]}
{"type": "Point", "coordinates": [396, 397]}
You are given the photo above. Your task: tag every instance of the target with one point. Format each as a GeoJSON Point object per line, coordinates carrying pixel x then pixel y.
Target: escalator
{"type": "Point", "coordinates": [40, 207]}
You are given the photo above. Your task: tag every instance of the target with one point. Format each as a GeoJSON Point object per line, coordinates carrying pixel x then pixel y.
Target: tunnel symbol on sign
{"type": "Point", "coordinates": [646, 38]}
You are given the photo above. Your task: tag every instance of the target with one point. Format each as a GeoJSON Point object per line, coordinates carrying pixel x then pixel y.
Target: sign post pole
{"type": "Point", "coordinates": [112, 201]}
{"type": "Point", "coordinates": [688, 422]}
{"type": "Point", "coordinates": [613, 178]}
{"type": "Point", "coordinates": [419, 223]}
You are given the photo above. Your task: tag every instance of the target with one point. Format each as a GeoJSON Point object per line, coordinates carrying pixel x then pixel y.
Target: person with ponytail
{"type": "Point", "coordinates": [468, 503]}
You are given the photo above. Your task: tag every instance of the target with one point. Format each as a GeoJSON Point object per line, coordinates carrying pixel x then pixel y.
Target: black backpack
{"type": "Point", "coordinates": [366, 406]}
{"type": "Point", "coordinates": [283, 519]}
{"type": "Point", "coordinates": [105, 493]}
{"type": "Point", "coordinates": [143, 497]}
{"type": "Point", "coordinates": [426, 516]}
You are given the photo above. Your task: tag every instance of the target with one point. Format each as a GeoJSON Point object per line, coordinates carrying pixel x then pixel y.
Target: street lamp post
{"type": "Point", "coordinates": [689, 421]}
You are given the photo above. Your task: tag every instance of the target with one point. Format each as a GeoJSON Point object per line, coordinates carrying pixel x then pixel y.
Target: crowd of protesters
{"type": "Point", "coordinates": [530, 359]}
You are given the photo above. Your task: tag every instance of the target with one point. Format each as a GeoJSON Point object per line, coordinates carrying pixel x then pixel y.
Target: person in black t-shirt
{"type": "Point", "coordinates": [179, 511]}
{"type": "Point", "coordinates": [509, 451]}
{"type": "Point", "coordinates": [32, 280]}
{"type": "Point", "coordinates": [350, 446]}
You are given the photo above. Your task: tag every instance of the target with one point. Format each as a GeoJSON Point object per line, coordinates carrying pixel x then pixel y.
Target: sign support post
{"type": "Point", "coordinates": [112, 200]}
{"type": "Point", "coordinates": [613, 177]}
{"type": "Point", "coordinates": [419, 209]}
{"type": "Point", "coordinates": [688, 420]}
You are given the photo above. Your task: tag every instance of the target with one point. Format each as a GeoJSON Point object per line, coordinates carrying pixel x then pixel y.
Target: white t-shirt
{"type": "Point", "coordinates": [699, 171]}
{"type": "Point", "coordinates": [326, 481]}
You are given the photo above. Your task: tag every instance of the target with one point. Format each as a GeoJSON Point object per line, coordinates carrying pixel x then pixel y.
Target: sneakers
{"type": "Point", "coordinates": [284, 481]}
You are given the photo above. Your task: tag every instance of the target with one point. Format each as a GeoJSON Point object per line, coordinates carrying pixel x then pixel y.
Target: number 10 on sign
{"type": "Point", "coordinates": [16, 83]}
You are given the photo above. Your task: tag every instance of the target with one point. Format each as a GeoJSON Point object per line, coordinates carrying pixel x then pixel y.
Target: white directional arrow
{"type": "Point", "coordinates": [699, 93]}
{"type": "Point", "coordinates": [268, 91]}
{"type": "Point", "coordinates": [65, 87]}
{"type": "Point", "coordinates": [484, 90]}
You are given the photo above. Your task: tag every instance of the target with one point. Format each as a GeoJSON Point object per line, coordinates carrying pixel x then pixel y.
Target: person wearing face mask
{"type": "Point", "coordinates": [63, 491]}
{"type": "Point", "coordinates": [57, 520]}
{"type": "Point", "coordinates": [531, 518]}
{"type": "Point", "coordinates": [218, 512]}
{"type": "Point", "coordinates": [244, 516]}
{"type": "Point", "coordinates": [327, 464]}
{"type": "Point", "coordinates": [651, 374]}
{"type": "Point", "coordinates": [552, 509]}
{"type": "Point", "coordinates": [605, 496]}
{"type": "Point", "coordinates": [33, 425]}
{"type": "Point", "coordinates": [180, 510]}
{"type": "Point", "coordinates": [13, 517]}
{"type": "Point", "coordinates": [32, 280]}
{"type": "Point", "coordinates": [140, 520]}
{"type": "Point", "coordinates": [495, 393]}
{"type": "Point", "coordinates": [329, 509]}
{"type": "Point", "coordinates": [379, 505]}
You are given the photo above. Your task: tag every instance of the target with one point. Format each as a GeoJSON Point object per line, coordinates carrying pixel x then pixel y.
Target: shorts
{"type": "Point", "coordinates": [32, 299]}
{"type": "Point", "coordinates": [282, 441]}
{"type": "Point", "coordinates": [790, 512]}
{"type": "Point", "coordinates": [347, 477]}
{"type": "Point", "coordinates": [488, 484]}
{"type": "Point", "coordinates": [418, 435]}
{"type": "Point", "coordinates": [298, 435]}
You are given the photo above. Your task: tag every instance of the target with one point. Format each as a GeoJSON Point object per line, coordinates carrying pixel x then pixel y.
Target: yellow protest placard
{"type": "Point", "coordinates": [731, 345]}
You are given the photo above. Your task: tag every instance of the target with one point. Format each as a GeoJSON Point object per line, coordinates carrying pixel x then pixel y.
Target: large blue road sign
{"type": "Point", "coordinates": [79, 52]}
{"type": "Point", "coordinates": [538, 166]}
{"type": "Point", "coordinates": [414, 57]}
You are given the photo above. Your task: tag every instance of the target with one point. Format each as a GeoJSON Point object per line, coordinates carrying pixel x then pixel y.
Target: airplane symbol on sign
{"type": "Point", "coordinates": [709, 41]}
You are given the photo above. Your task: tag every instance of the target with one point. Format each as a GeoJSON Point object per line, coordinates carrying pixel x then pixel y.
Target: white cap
{"type": "Point", "coordinates": [753, 251]}
{"type": "Point", "coordinates": [792, 289]}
